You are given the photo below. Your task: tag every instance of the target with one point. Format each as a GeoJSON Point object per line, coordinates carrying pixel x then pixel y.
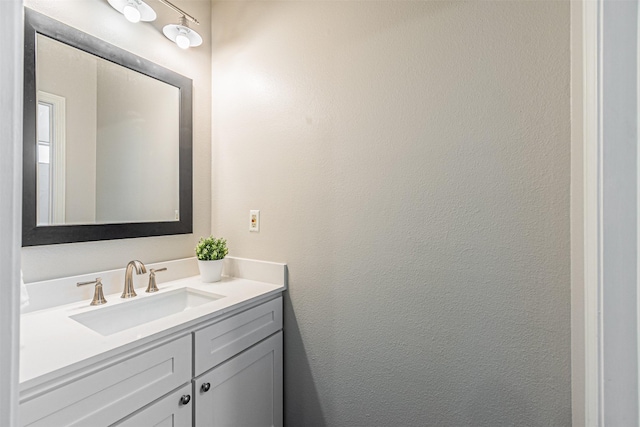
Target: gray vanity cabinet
{"type": "Point", "coordinates": [246, 390]}
{"type": "Point", "coordinates": [238, 369]}
{"type": "Point", "coordinates": [225, 371]}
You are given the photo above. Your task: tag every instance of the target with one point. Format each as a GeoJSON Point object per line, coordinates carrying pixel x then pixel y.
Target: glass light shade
{"type": "Point", "coordinates": [132, 13]}
{"type": "Point", "coordinates": [133, 10]}
{"type": "Point", "coordinates": [183, 41]}
{"type": "Point", "coordinates": [182, 35]}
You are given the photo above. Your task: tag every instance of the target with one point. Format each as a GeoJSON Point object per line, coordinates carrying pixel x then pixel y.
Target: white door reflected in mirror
{"type": "Point", "coordinates": [51, 159]}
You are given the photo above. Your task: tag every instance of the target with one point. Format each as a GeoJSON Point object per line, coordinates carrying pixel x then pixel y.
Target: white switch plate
{"type": "Point", "coordinates": [254, 220]}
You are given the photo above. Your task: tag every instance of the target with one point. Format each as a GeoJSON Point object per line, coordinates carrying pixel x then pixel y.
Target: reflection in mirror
{"type": "Point", "coordinates": [49, 199]}
{"type": "Point", "coordinates": [107, 140]}
{"type": "Point", "coordinates": [120, 160]}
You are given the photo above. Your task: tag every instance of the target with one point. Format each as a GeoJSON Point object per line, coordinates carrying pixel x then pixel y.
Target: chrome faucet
{"type": "Point", "coordinates": [129, 292]}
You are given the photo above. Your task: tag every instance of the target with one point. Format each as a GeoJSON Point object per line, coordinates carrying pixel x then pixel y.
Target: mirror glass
{"type": "Point", "coordinates": [107, 140]}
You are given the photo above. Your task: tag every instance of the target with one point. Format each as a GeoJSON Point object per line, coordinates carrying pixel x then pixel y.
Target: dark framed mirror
{"type": "Point", "coordinates": [107, 140]}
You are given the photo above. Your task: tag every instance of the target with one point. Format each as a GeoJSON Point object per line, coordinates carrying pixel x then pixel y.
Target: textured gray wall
{"type": "Point", "coordinates": [411, 161]}
{"type": "Point", "coordinates": [577, 222]}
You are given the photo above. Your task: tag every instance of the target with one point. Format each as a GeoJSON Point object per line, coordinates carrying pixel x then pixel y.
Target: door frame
{"type": "Point", "coordinates": [610, 207]}
{"type": "Point", "coordinates": [11, 75]}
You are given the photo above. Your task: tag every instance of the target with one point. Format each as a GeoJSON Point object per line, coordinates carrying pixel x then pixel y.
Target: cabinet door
{"type": "Point", "coordinates": [173, 410]}
{"type": "Point", "coordinates": [243, 391]}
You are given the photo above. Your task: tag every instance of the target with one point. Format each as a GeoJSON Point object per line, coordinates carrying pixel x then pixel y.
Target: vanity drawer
{"type": "Point", "coordinates": [114, 390]}
{"type": "Point", "coordinates": [218, 342]}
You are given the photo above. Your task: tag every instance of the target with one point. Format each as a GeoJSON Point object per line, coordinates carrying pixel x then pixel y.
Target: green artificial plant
{"type": "Point", "coordinates": [211, 249]}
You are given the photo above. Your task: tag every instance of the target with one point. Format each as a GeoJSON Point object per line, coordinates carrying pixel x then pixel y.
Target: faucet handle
{"type": "Point", "coordinates": [153, 287]}
{"type": "Point", "coordinates": [98, 295]}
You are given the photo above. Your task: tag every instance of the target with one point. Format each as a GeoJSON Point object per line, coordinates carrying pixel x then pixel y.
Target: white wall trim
{"type": "Point", "coordinates": [638, 201]}
{"type": "Point", "coordinates": [592, 149]}
{"type": "Point", "coordinates": [11, 51]}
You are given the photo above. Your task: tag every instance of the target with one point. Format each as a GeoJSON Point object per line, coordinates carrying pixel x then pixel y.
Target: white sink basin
{"type": "Point", "coordinates": [109, 320]}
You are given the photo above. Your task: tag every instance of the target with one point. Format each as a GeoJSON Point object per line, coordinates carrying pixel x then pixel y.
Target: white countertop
{"type": "Point", "coordinates": [52, 344]}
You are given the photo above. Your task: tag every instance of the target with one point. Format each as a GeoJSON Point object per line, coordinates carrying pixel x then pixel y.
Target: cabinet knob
{"type": "Point", "coordinates": [205, 387]}
{"type": "Point", "coordinates": [185, 399]}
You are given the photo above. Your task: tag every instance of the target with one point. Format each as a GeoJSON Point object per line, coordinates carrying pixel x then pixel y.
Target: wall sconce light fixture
{"type": "Point", "coordinates": [181, 34]}
{"type": "Point", "coordinates": [134, 10]}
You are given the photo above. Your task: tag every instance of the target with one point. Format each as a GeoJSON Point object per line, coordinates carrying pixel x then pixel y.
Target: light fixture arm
{"type": "Point", "coordinates": [180, 11]}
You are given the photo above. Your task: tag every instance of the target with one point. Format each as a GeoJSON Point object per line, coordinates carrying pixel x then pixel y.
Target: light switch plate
{"type": "Point", "coordinates": [254, 220]}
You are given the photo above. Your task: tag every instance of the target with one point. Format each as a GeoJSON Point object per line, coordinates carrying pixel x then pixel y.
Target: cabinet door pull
{"type": "Point", "coordinates": [205, 387]}
{"type": "Point", "coordinates": [185, 399]}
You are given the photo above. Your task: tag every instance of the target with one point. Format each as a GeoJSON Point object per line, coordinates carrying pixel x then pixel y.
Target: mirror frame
{"type": "Point", "coordinates": [33, 235]}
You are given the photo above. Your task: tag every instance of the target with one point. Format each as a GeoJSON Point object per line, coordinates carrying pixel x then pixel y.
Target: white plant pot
{"type": "Point", "coordinates": [210, 271]}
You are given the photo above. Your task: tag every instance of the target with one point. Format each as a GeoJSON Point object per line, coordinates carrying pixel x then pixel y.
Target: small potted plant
{"type": "Point", "coordinates": [210, 252]}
